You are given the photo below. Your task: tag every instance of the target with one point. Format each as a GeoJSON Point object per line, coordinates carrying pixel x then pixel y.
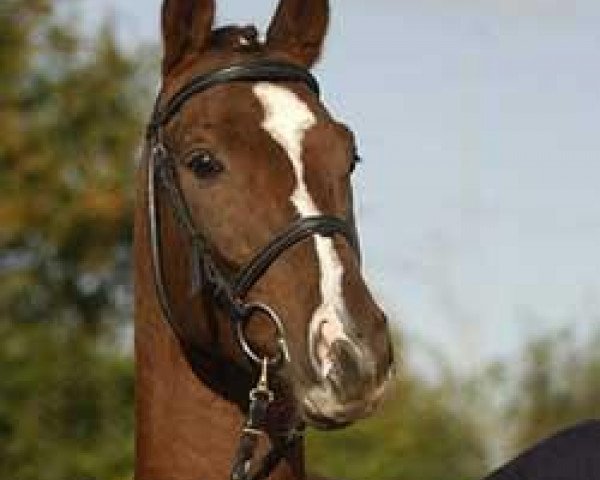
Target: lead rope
{"type": "Point", "coordinates": [260, 397]}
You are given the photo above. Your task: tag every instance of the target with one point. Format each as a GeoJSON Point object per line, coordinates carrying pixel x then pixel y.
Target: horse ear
{"type": "Point", "coordinates": [298, 29]}
{"type": "Point", "coordinates": [186, 27]}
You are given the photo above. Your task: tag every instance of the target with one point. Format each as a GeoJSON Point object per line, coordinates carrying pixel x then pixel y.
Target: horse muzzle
{"type": "Point", "coordinates": [351, 386]}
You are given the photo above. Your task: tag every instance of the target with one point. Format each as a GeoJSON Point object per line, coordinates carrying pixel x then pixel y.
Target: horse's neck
{"type": "Point", "coordinates": [184, 430]}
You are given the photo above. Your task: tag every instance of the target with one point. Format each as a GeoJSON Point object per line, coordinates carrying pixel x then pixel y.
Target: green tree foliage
{"type": "Point", "coordinates": [560, 386]}
{"type": "Point", "coordinates": [71, 121]}
{"type": "Point", "coordinates": [65, 406]}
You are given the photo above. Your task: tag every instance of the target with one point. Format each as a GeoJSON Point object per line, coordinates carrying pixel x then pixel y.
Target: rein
{"type": "Point", "coordinates": [206, 276]}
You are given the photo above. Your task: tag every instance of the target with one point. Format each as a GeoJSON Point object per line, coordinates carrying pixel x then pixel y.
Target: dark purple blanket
{"type": "Point", "coordinates": [573, 454]}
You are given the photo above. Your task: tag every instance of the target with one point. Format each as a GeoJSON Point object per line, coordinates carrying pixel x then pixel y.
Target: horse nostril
{"type": "Point", "coordinates": [346, 375]}
{"type": "Point", "coordinates": [325, 335]}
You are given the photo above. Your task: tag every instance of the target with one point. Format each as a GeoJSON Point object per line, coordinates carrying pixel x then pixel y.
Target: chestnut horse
{"type": "Point", "coordinates": [247, 264]}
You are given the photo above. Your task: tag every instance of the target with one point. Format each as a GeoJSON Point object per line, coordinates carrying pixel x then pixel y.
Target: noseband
{"type": "Point", "coordinates": [207, 276]}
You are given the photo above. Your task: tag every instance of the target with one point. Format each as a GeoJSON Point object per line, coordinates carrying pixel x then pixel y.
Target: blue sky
{"type": "Point", "coordinates": [479, 124]}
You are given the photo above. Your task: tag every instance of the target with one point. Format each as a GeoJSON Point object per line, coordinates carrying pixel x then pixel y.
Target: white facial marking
{"type": "Point", "coordinates": [287, 119]}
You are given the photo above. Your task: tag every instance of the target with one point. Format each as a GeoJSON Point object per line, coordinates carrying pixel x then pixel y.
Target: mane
{"type": "Point", "coordinates": [237, 38]}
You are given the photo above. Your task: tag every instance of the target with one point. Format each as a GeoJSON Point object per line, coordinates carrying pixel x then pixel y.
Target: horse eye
{"type": "Point", "coordinates": [203, 163]}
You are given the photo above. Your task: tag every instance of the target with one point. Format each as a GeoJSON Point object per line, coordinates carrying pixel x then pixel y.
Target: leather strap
{"type": "Point", "coordinates": [299, 231]}
{"type": "Point", "coordinates": [248, 72]}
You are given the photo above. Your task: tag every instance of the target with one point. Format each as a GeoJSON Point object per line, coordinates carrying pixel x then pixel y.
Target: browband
{"type": "Point", "coordinates": [267, 70]}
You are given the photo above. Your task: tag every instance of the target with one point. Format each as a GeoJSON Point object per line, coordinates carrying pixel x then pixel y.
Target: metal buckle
{"type": "Point", "coordinates": [159, 154]}
{"type": "Point", "coordinates": [247, 312]}
{"type": "Point", "coordinates": [262, 387]}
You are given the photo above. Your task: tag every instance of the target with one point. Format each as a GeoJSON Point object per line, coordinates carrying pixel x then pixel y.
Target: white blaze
{"type": "Point", "coordinates": [287, 119]}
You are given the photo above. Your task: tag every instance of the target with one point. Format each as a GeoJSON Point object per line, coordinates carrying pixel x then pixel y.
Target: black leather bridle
{"type": "Point", "coordinates": [207, 276]}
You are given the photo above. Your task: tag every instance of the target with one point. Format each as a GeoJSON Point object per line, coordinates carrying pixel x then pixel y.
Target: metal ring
{"type": "Point", "coordinates": [248, 311]}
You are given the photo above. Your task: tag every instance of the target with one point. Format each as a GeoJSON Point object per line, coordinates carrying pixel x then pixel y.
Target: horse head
{"type": "Point", "coordinates": [256, 174]}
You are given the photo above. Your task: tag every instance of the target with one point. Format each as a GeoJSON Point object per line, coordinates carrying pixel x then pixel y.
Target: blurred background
{"type": "Point", "coordinates": [478, 206]}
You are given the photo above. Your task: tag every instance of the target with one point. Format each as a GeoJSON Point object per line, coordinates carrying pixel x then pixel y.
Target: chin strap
{"type": "Point", "coordinates": [260, 398]}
